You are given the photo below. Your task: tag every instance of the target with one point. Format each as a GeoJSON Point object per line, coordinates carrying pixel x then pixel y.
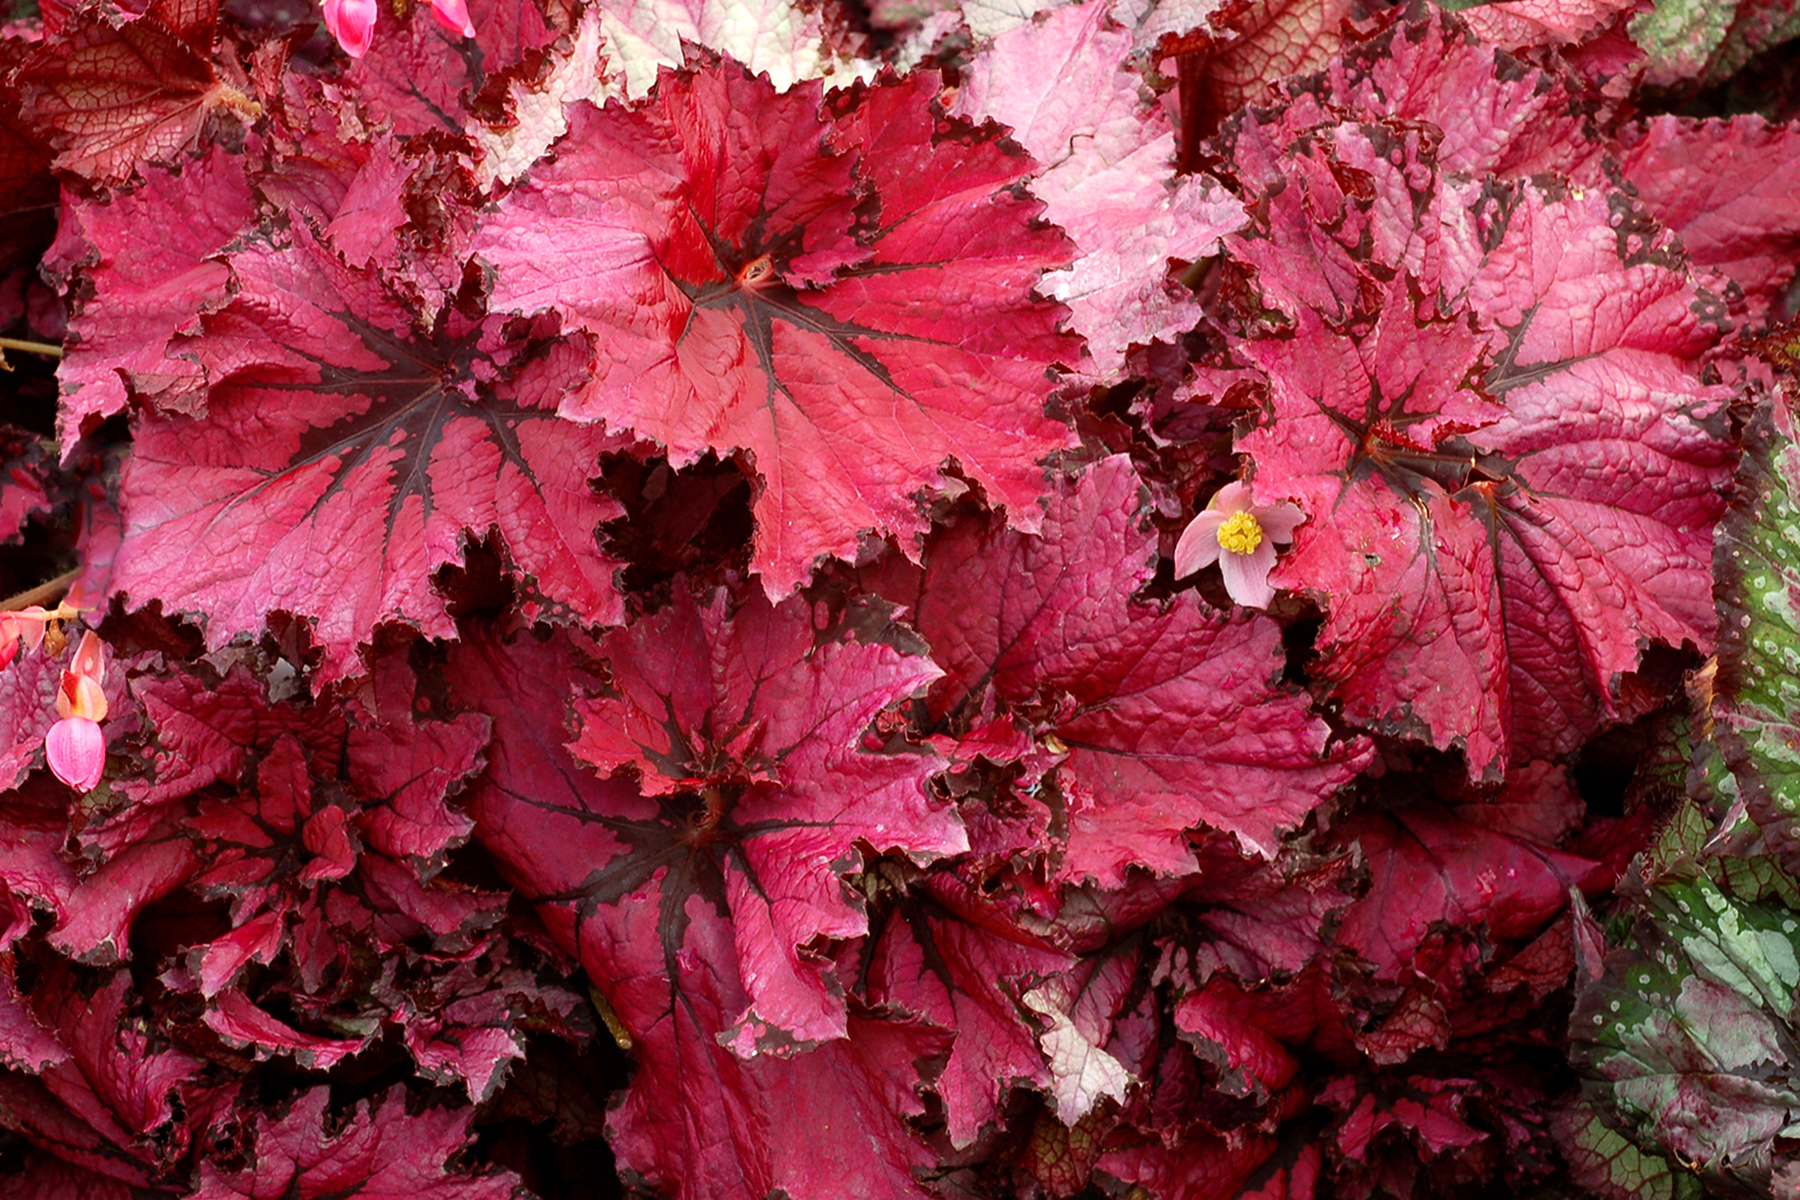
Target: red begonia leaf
{"type": "Point", "coordinates": [1436, 883]}
{"type": "Point", "coordinates": [656, 896]}
{"type": "Point", "coordinates": [1174, 717]}
{"type": "Point", "coordinates": [25, 491]}
{"type": "Point", "coordinates": [333, 421]}
{"type": "Point", "coordinates": [28, 191]}
{"type": "Point", "coordinates": [153, 280]}
{"type": "Point", "coordinates": [95, 925]}
{"type": "Point", "coordinates": [45, 1177]}
{"type": "Point", "coordinates": [119, 91]}
{"type": "Point", "coordinates": [115, 1077]}
{"type": "Point", "coordinates": [242, 1024]}
{"type": "Point", "coordinates": [757, 746]}
{"type": "Point", "coordinates": [1263, 921]}
{"type": "Point", "coordinates": [373, 1152]}
{"type": "Point", "coordinates": [1451, 514]}
{"type": "Point", "coordinates": [842, 290]}
{"type": "Point", "coordinates": [1731, 189]}
{"type": "Point", "coordinates": [27, 710]}
{"type": "Point", "coordinates": [953, 956]}
{"type": "Point", "coordinates": [1064, 87]}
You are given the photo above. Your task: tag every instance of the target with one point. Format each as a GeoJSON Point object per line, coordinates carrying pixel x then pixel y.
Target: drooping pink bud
{"type": "Point", "coordinates": [454, 16]}
{"type": "Point", "coordinates": [352, 23]}
{"type": "Point", "coordinates": [77, 752]}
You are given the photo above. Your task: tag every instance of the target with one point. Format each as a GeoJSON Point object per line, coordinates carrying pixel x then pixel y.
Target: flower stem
{"type": "Point", "coordinates": [43, 593]}
{"type": "Point", "coordinates": [50, 349]}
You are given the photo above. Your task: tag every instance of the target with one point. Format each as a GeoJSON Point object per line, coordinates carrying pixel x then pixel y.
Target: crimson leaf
{"type": "Point", "coordinates": [842, 290]}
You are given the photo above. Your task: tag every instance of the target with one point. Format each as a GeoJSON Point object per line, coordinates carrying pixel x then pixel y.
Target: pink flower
{"type": "Point", "coordinates": [352, 23]}
{"type": "Point", "coordinates": [1240, 537]}
{"type": "Point", "coordinates": [77, 752]}
{"type": "Point", "coordinates": [454, 16]}
{"type": "Point", "coordinates": [75, 747]}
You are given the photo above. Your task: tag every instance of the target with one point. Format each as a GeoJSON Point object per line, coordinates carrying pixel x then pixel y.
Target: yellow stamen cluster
{"type": "Point", "coordinates": [1240, 533]}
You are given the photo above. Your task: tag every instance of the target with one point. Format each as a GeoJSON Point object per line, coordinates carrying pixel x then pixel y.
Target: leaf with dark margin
{"type": "Point", "coordinates": [625, 882]}
{"type": "Point", "coordinates": [952, 955]}
{"type": "Point", "coordinates": [749, 730]}
{"type": "Point", "coordinates": [1175, 717]}
{"type": "Point", "coordinates": [338, 435]}
{"type": "Point", "coordinates": [378, 1152]}
{"type": "Point", "coordinates": [842, 289]}
{"type": "Point", "coordinates": [1504, 538]}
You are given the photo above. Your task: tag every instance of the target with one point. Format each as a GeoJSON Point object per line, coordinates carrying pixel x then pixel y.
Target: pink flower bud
{"type": "Point", "coordinates": [454, 16]}
{"type": "Point", "coordinates": [77, 752]}
{"type": "Point", "coordinates": [352, 23]}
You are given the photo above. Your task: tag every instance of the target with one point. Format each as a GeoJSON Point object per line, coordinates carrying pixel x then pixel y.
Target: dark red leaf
{"type": "Point", "coordinates": [375, 1153]}
{"type": "Point", "coordinates": [121, 91]}
{"type": "Point", "coordinates": [1174, 718]}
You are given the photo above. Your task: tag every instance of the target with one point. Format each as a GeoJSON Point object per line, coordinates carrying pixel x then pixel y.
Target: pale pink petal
{"type": "Point", "coordinates": [454, 16]}
{"type": "Point", "coordinates": [1247, 575]}
{"type": "Point", "coordinates": [1234, 497]}
{"type": "Point", "coordinates": [76, 750]}
{"type": "Point", "coordinates": [1199, 544]}
{"type": "Point", "coordinates": [352, 23]}
{"type": "Point", "coordinates": [1279, 521]}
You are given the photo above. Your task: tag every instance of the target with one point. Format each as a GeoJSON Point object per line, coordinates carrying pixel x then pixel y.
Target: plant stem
{"type": "Point", "coordinates": [47, 348]}
{"type": "Point", "coordinates": [43, 593]}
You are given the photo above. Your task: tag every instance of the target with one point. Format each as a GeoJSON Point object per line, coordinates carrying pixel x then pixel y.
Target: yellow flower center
{"type": "Point", "coordinates": [1240, 533]}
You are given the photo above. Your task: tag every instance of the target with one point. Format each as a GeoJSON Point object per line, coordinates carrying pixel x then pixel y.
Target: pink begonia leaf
{"type": "Point", "coordinates": [644, 897]}
{"type": "Point", "coordinates": [118, 91]}
{"type": "Point", "coordinates": [1435, 879]}
{"type": "Point", "coordinates": [343, 425]}
{"type": "Point", "coordinates": [1175, 716]}
{"type": "Point", "coordinates": [1497, 115]}
{"type": "Point", "coordinates": [1731, 189]}
{"type": "Point", "coordinates": [760, 748]}
{"type": "Point", "coordinates": [1064, 88]}
{"type": "Point", "coordinates": [378, 1152]}
{"type": "Point", "coordinates": [1527, 23]}
{"type": "Point", "coordinates": [1436, 503]}
{"type": "Point", "coordinates": [742, 297]}
{"type": "Point", "coordinates": [951, 955]}
{"type": "Point", "coordinates": [417, 73]}
{"type": "Point", "coordinates": [785, 40]}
